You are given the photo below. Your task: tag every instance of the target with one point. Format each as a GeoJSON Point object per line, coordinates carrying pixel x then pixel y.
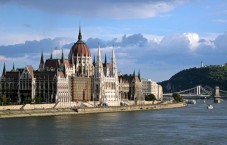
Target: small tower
{"type": "Point", "coordinates": [201, 63]}
{"type": "Point", "coordinates": [80, 35]}
{"type": "Point", "coordinates": [62, 56]}
{"type": "Point", "coordinates": [62, 62]}
{"type": "Point", "coordinates": [51, 55]}
{"type": "Point", "coordinates": [13, 69]}
{"type": "Point", "coordinates": [105, 67]}
{"type": "Point", "coordinates": [4, 70]}
{"type": "Point", "coordinates": [105, 59]}
{"type": "Point", "coordinates": [99, 65]}
{"type": "Point", "coordinates": [94, 60]}
{"type": "Point", "coordinates": [217, 97]}
{"type": "Point", "coordinates": [139, 74]}
{"type": "Point", "coordinates": [113, 65]}
{"type": "Point", "coordinates": [134, 73]}
{"type": "Point", "coordinates": [41, 64]}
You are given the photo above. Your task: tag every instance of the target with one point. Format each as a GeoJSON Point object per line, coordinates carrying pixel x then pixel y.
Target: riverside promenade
{"type": "Point", "coordinates": [84, 110]}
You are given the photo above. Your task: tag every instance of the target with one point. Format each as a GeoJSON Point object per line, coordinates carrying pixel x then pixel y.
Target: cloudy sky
{"type": "Point", "coordinates": [157, 37]}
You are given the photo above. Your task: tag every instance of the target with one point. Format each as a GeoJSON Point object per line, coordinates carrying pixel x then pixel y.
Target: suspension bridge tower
{"type": "Point", "coordinates": [217, 97]}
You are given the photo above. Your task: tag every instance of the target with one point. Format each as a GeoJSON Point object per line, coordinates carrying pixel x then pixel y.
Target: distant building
{"type": "Point", "coordinates": [151, 87]}
{"type": "Point", "coordinates": [131, 87]}
{"type": "Point", "coordinates": [202, 64]}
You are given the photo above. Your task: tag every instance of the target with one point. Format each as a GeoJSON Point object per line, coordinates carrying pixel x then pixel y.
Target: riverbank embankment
{"type": "Point", "coordinates": [85, 110]}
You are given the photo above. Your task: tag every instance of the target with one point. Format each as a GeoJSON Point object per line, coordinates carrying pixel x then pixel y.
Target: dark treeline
{"type": "Point", "coordinates": [209, 76]}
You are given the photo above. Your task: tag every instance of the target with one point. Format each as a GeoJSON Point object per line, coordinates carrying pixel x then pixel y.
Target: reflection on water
{"type": "Point", "coordinates": [190, 125]}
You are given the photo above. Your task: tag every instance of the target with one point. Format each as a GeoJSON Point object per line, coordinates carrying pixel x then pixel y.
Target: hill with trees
{"type": "Point", "coordinates": [209, 76]}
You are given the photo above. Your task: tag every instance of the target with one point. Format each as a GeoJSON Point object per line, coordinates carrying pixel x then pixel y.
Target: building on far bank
{"type": "Point", "coordinates": [131, 87]}
{"type": "Point", "coordinates": [151, 87]}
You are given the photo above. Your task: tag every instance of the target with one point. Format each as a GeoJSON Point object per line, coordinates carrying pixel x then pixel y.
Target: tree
{"type": "Point", "coordinates": [177, 97]}
{"type": "Point", "coordinates": [27, 100]}
{"type": "Point", "coordinates": [5, 100]}
{"type": "Point", "coordinates": [150, 97]}
{"type": "Point", "coordinates": [38, 100]}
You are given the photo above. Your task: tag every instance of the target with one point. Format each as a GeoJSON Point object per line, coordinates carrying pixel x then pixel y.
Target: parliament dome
{"type": "Point", "coordinates": [80, 48]}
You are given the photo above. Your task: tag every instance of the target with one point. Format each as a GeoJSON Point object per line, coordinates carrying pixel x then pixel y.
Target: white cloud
{"type": "Point", "coordinates": [193, 40]}
{"type": "Point", "coordinates": [117, 9]}
{"type": "Point", "coordinates": [158, 53]}
{"type": "Point", "coordinates": [56, 52]}
{"type": "Point", "coordinates": [153, 38]}
{"type": "Point", "coordinates": [174, 42]}
{"type": "Point", "coordinates": [221, 41]}
{"type": "Point", "coordinates": [16, 38]}
{"type": "Point", "coordinates": [3, 58]}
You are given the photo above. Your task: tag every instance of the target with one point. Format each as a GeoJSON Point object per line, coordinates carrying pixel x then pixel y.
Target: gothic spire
{"type": "Point", "coordinates": [51, 55]}
{"type": "Point", "coordinates": [99, 52]}
{"type": "Point", "coordinates": [114, 64]}
{"type": "Point", "coordinates": [41, 59]}
{"type": "Point", "coordinates": [41, 65]}
{"type": "Point", "coordinates": [134, 73]}
{"type": "Point", "coordinates": [13, 67]}
{"type": "Point", "coordinates": [62, 56]}
{"type": "Point", "coordinates": [80, 35]}
{"type": "Point", "coordinates": [4, 70]}
{"type": "Point", "coordinates": [99, 65]}
{"type": "Point", "coordinates": [105, 59]}
{"type": "Point", "coordinates": [139, 74]}
{"type": "Point", "coordinates": [94, 59]}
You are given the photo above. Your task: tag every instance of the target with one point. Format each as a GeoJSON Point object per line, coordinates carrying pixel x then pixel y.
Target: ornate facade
{"type": "Point", "coordinates": [73, 79]}
{"type": "Point", "coordinates": [106, 83]}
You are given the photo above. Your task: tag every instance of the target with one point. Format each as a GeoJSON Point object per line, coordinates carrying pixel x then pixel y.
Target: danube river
{"type": "Point", "coordinates": [194, 124]}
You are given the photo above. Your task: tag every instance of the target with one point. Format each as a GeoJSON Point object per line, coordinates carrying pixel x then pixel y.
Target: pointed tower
{"type": "Point", "coordinates": [113, 65]}
{"type": "Point", "coordinates": [51, 55]}
{"type": "Point", "coordinates": [13, 69]}
{"type": "Point", "coordinates": [99, 65]}
{"type": "Point", "coordinates": [139, 74]}
{"type": "Point", "coordinates": [62, 65]}
{"type": "Point", "coordinates": [98, 77]}
{"type": "Point", "coordinates": [115, 75]}
{"type": "Point", "coordinates": [4, 70]}
{"type": "Point", "coordinates": [62, 56]}
{"type": "Point", "coordinates": [94, 60]}
{"type": "Point", "coordinates": [105, 59]}
{"type": "Point", "coordinates": [105, 67]}
{"type": "Point", "coordinates": [41, 64]}
{"type": "Point", "coordinates": [80, 35]}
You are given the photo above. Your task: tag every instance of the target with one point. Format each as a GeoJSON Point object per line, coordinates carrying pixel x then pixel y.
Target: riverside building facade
{"type": "Point", "coordinates": [76, 78]}
{"type": "Point", "coordinates": [151, 87]}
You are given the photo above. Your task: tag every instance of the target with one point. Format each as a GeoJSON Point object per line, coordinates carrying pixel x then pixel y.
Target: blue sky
{"type": "Point", "coordinates": [157, 37]}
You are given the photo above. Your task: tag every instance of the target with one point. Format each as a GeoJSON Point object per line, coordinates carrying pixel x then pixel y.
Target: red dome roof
{"type": "Point", "coordinates": [80, 48]}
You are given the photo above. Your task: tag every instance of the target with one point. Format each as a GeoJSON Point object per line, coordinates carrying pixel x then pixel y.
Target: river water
{"type": "Point", "coordinates": [194, 124]}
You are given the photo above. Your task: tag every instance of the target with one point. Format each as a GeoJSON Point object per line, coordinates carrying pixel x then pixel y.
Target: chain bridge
{"type": "Point", "coordinates": [198, 92]}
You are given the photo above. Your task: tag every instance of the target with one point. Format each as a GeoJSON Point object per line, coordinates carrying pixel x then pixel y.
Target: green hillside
{"type": "Point", "coordinates": [206, 76]}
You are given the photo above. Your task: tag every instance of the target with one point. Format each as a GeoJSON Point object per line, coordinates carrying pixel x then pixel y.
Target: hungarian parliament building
{"type": "Point", "coordinates": [76, 78]}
